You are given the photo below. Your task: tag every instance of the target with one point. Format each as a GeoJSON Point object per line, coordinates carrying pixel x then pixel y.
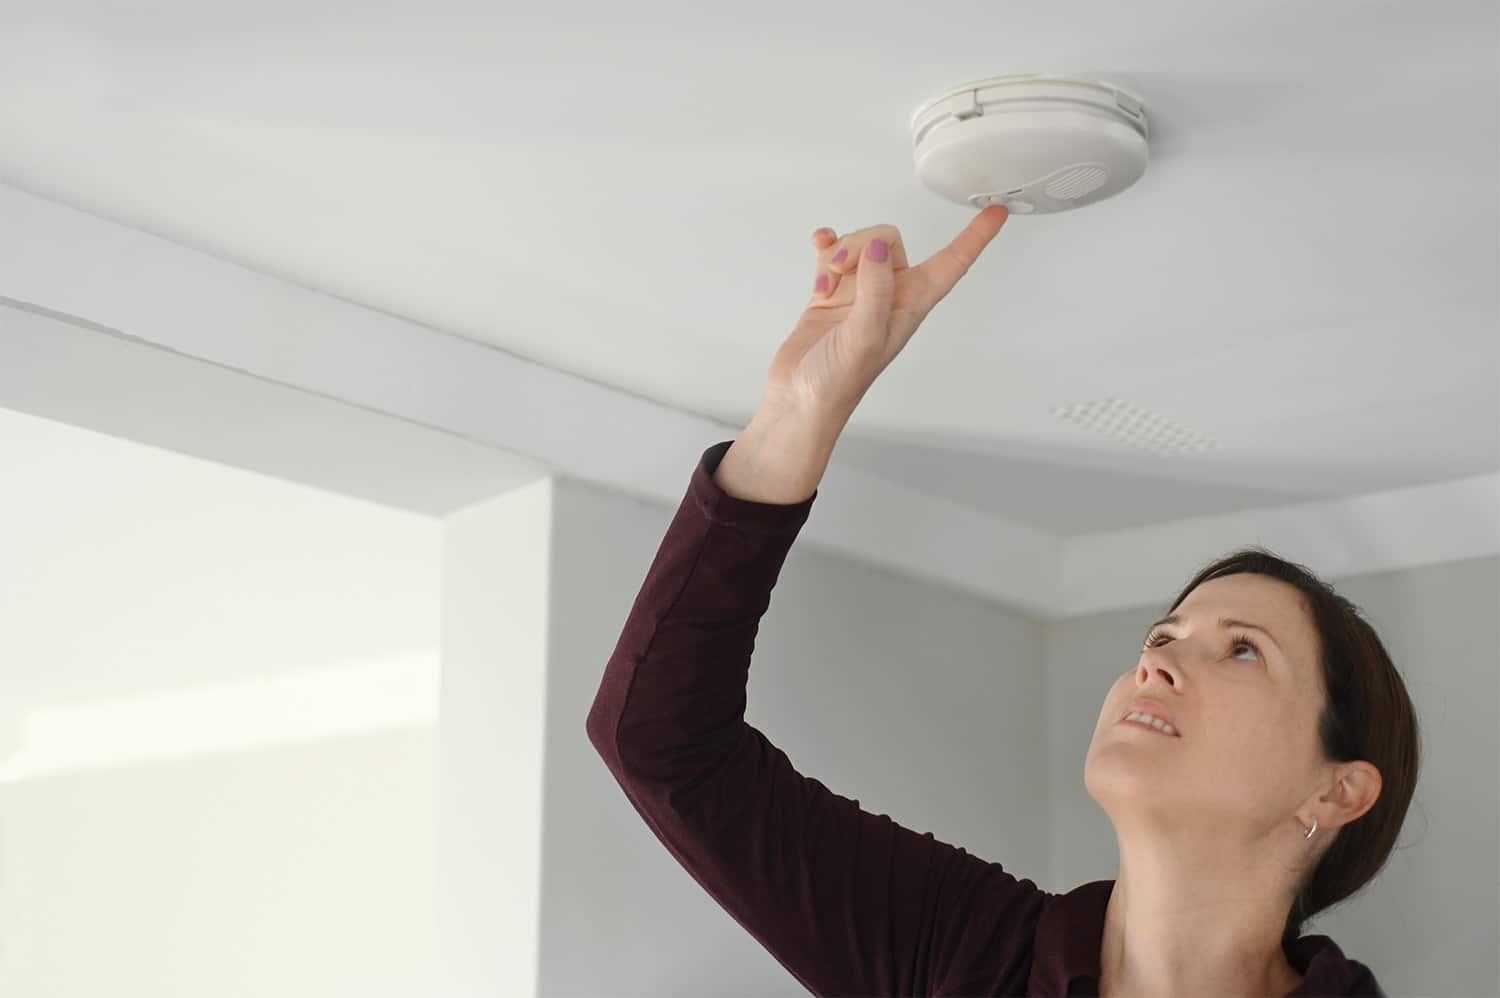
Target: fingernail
{"type": "Point", "coordinates": [839, 256]}
{"type": "Point", "coordinates": [878, 250]}
{"type": "Point", "coordinates": [822, 284]}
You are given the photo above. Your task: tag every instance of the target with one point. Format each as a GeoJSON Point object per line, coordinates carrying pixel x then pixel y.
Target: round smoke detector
{"type": "Point", "coordinates": [1036, 144]}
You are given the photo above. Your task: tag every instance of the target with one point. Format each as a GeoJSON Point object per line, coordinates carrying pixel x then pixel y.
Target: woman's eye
{"type": "Point", "coordinates": [1239, 642]}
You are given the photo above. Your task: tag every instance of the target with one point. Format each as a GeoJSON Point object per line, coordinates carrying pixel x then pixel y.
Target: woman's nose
{"type": "Point", "coordinates": [1153, 662]}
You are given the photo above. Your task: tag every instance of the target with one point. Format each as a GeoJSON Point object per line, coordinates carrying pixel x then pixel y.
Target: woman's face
{"type": "Point", "coordinates": [1245, 706]}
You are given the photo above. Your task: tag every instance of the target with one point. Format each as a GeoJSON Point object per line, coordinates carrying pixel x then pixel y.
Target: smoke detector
{"type": "Point", "coordinates": [1036, 144]}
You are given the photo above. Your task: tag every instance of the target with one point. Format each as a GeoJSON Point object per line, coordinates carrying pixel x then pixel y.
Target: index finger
{"type": "Point", "coordinates": [943, 269]}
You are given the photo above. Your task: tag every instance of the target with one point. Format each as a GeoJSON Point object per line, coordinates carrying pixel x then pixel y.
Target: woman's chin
{"type": "Point", "coordinates": [1117, 768]}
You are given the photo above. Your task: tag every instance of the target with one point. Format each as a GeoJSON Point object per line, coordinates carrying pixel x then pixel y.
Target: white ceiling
{"type": "Point", "coordinates": [1307, 272]}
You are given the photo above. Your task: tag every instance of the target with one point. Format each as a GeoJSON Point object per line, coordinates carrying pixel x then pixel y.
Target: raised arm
{"type": "Point", "coordinates": [850, 902]}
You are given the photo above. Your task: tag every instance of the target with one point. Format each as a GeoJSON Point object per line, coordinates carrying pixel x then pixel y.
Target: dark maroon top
{"type": "Point", "coordinates": [849, 902]}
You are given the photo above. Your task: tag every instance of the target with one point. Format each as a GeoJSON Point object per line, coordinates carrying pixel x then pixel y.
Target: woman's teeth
{"type": "Point", "coordinates": [1159, 725]}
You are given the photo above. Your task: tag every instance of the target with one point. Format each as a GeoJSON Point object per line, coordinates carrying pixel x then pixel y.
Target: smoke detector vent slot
{"type": "Point", "coordinates": [1077, 182]}
{"type": "Point", "coordinates": [1135, 426]}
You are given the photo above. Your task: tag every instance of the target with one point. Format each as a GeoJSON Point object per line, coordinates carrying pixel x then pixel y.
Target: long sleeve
{"type": "Point", "coordinates": [849, 902]}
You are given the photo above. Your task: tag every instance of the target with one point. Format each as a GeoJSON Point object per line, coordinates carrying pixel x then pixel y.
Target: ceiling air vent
{"type": "Point", "coordinates": [1135, 426]}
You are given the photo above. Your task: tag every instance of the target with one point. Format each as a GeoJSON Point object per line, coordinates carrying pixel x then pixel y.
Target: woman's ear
{"type": "Point", "coordinates": [1356, 789]}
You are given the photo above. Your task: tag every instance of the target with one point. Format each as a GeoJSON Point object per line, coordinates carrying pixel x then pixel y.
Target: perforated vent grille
{"type": "Point", "coordinates": [1076, 183]}
{"type": "Point", "coordinates": [1135, 426]}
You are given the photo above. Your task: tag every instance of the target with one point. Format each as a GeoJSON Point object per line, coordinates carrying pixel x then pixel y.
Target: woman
{"type": "Point", "coordinates": [1274, 785]}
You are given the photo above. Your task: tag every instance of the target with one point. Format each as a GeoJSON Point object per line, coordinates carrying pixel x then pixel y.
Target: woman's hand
{"type": "Point", "coordinates": [865, 313]}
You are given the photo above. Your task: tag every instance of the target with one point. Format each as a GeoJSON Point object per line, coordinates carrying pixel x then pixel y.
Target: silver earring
{"type": "Point", "coordinates": [1310, 831]}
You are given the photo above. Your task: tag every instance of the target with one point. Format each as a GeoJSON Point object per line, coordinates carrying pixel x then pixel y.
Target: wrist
{"type": "Point", "coordinates": [780, 456]}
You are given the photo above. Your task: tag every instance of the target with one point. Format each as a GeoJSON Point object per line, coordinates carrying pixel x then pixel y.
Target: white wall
{"type": "Point", "coordinates": [492, 772]}
{"type": "Point", "coordinates": [219, 693]}
{"type": "Point", "coordinates": [126, 568]}
{"type": "Point", "coordinates": [1429, 922]}
{"type": "Point", "coordinates": [302, 871]}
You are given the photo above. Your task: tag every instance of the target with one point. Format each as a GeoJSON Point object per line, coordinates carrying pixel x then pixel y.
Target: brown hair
{"type": "Point", "coordinates": [1367, 715]}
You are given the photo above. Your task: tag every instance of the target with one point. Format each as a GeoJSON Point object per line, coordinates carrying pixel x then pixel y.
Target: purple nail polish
{"type": "Point", "coordinates": [878, 250]}
{"type": "Point", "coordinates": [839, 256]}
